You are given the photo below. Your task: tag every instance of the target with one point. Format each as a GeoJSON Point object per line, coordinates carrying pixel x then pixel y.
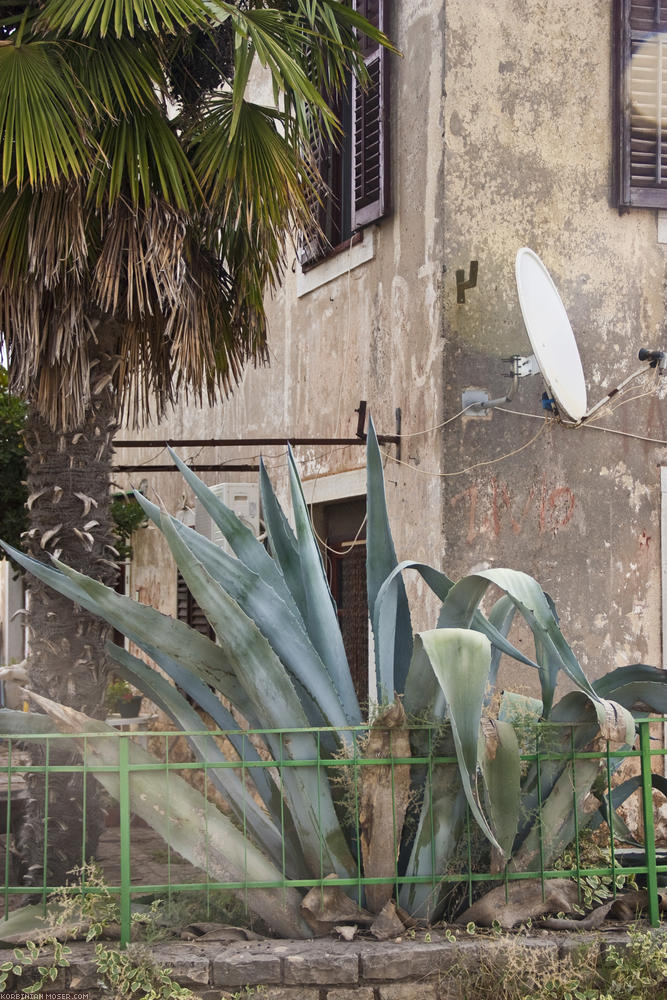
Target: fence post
{"type": "Point", "coordinates": [124, 804]}
{"type": "Point", "coordinates": [649, 828]}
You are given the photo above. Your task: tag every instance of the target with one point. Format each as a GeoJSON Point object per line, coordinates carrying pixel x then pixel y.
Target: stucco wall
{"type": "Point", "coordinates": [500, 137]}
{"type": "Point", "coordinates": [374, 333]}
{"type": "Point", "coordinates": [528, 153]}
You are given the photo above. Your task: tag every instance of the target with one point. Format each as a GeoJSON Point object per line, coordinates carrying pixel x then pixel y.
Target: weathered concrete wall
{"type": "Point", "coordinates": [501, 137]}
{"type": "Point", "coordinates": [528, 152]}
{"type": "Point", "coordinates": [374, 332]}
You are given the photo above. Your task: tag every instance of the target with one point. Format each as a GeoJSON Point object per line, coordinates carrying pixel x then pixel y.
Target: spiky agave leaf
{"type": "Point", "coordinates": [460, 659]}
{"type": "Point", "coordinates": [268, 688]}
{"type": "Point", "coordinates": [321, 617]}
{"type": "Point", "coordinates": [241, 539]}
{"type": "Point", "coordinates": [461, 603]}
{"type": "Point", "coordinates": [282, 542]}
{"type": "Point", "coordinates": [277, 623]}
{"type": "Point", "coordinates": [393, 641]}
{"type": "Point", "coordinates": [146, 627]}
{"type": "Point", "coordinates": [237, 792]}
{"type": "Point", "coordinates": [176, 811]}
{"type": "Point", "coordinates": [388, 626]}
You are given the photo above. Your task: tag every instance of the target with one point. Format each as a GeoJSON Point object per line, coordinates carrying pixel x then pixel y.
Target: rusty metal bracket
{"type": "Point", "coordinates": [361, 422]}
{"type": "Point", "coordinates": [462, 284]}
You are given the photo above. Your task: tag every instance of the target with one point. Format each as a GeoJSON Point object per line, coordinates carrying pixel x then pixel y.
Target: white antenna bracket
{"type": "Point", "coordinates": [476, 402]}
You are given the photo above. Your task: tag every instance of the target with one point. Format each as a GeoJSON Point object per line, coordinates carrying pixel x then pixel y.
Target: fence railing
{"type": "Point", "coordinates": [62, 776]}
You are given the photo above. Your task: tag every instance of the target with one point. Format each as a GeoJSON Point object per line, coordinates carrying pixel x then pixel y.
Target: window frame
{"type": "Point", "coordinates": [338, 226]}
{"type": "Point", "coordinates": [628, 195]}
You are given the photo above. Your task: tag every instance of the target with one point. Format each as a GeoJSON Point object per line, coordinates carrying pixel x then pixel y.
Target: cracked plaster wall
{"type": "Point", "coordinates": [500, 137]}
{"type": "Point", "coordinates": [528, 162]}
{"type": "Point", "coordinates": [373, 333]}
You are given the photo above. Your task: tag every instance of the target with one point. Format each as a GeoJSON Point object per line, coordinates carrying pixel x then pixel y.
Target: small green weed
{"type": "Point", "coordinates": [133, 972]}
{"type": "Point", "coordinates": [53, 955]}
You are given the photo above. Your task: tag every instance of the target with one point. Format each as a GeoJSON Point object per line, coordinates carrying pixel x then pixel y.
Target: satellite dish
{"type": "Point", "coordinates": [555, 354]}
{"type": "Point", "coordinates": [550, 335]}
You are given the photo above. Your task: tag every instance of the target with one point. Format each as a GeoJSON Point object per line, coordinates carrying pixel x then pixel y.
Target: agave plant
{"type": "Point", "coordinates": [280, 663]}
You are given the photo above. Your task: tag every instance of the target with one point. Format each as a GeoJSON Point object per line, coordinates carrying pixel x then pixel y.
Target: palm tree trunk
{"type": "Point", "coordinates": [69, 500]}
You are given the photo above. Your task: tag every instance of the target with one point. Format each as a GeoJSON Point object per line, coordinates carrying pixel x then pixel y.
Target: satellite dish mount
{"type": "Point", "coordinates": [556, 355]}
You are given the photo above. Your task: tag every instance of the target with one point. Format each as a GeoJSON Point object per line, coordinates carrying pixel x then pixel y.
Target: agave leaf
{"type": "Point", "coordinates": [555, 826]}
{"type": "Point", "coordinates": [636, 684]}
{"type": "Point", "coordinates": [175, 810]}
{"type": "Point", "coordinates": [501, 617]}
{"type": "Point", "coordinates": [558, 769]}
{"type": "Point", "coordinates": [392, 657]}
{"type": "Point", "coordinates": [500, 760]}
{"type": "Point", "coordinates": [237, 793]}
{"type": "Point", "coordinates": [14, 723]}
{"type": "Point", "coordinates": [618, 796]}
{"type": "Point", "coordinates": [460, 659]}
{"type": "Point", "coordinates": [616, 722]}
{"type": "Point", "coordinates": [272, 695]}
{"type": "Point", "coordinates": [321, 616]}
{"type": "Point", "coordinates": [31, 923]}
{"type": "Point", "coordinates": [241, 539]}
{"type": "Point", "coordinates": [275, 620]}
{"type": "Point", "coordinates": [209, 702]}
{"type": "Point", "coordinates": [441, 826]}
{"type": "Point", "coordinates": [549, 664]}
{"type": "Point", "coordinates": [421, 695]}
{"type": "Point", "coordinates": [283, 544]}
{"type": "Point", "coordinates": [527, 595]}
{"type": "Point", "coordinates": [145, 626]}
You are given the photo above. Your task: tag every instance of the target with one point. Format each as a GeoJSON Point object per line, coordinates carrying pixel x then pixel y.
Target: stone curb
{"type": "Point", "coordinates": [325, 969]}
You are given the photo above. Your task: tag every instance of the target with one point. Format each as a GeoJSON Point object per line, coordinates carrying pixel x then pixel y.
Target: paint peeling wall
{"type": "Point", "coordinates": [500, 137]}
{"type": "Point", "coordinates": [374, 332]}
{"type": "Point", "coordinates": [528, 153]}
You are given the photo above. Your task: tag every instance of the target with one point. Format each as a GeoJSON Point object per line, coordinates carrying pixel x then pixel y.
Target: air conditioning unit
{"type": "Point", "coordinates": [242, 498]}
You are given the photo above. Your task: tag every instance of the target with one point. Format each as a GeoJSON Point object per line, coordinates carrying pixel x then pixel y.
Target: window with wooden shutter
{"type": "Point", "coordinates": [188, 611]}
{"type": "Point", "coordinates": [641, 85]}
{"type": "Point", "coordinates": [353, 172]}
{"type": "Point", "coordinates": [369, 125]}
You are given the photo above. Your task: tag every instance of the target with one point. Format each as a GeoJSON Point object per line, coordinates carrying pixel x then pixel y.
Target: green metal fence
{"type": "Point", "coordinates": [34, 766]}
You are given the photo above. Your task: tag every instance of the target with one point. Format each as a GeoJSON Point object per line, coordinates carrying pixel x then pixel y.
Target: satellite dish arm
{"type": "Point", "coordinates": [655, 359]}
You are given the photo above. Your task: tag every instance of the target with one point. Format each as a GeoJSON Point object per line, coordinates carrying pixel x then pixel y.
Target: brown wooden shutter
{"type": "Point", "coordinates": [642, 92]}
{"type": "Point", "coordinates": [188, 611]}
{"type": "Point", "coordinates": [370, 191]}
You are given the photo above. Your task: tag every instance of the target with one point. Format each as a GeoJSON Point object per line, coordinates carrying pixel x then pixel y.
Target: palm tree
{"type": "Point", "coordinates": [146, 202]}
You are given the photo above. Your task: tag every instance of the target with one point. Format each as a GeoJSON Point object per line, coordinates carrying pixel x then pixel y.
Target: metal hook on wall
{"type": "Point", "coordinates": [462, 284]}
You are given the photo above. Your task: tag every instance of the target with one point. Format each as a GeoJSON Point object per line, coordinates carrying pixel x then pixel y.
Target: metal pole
{"type": "Point", "coordinates": [649, 828]}
{"type": "Point", "coordinates": [124, 803]}
{"type": "Point", "coordinates": [252, 442]}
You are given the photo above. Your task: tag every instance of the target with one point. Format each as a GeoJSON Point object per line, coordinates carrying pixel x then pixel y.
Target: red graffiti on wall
{"type": "Point", "coordinates": [496, 509]}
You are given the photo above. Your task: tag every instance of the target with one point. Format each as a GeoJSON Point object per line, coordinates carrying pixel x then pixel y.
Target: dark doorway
{"type": "Point", "coordinates": [341, 527]}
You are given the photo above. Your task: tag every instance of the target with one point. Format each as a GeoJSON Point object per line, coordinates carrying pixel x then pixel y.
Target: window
{"type": "Point", "coordinates": [188, 611]}
{"type": "Point", "coordinates": [641, 94]}
{"type": "Point", "coordinates": [354, 171]}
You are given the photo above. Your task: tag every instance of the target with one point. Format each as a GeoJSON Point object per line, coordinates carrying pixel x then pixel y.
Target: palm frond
{"type": "Point", "coordinates": [121, 17]}
{"type": "Point", "coordinates": [116, 77]}
{"type": "Point", "coordinates": [141, 155]}
{"type": "Point", "coordinates": [42, 116]}
{"type": "Point", "coordinates": [245, 165]}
